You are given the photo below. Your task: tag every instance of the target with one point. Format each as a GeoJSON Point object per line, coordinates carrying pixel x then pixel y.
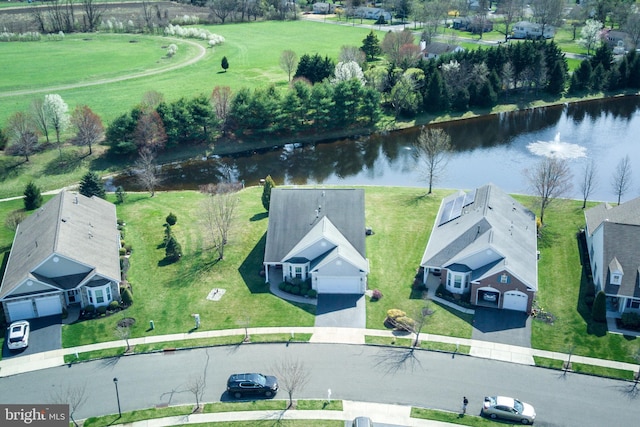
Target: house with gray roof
{"type": "Point", "coordinates": [484, 244]}
{"type": "Point", "coordinates": [65, 253]}
{"type": "Point", "coordinates": [317, 235]}
{"type": "Point", "coordinates": [613, 240]}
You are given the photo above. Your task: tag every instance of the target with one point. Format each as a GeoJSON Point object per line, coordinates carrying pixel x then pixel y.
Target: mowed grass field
{"type": "Point", "coordinates": [252, 49]}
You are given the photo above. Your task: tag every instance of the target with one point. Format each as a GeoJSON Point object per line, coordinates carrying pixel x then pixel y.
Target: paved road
{"type": "Point", "coordinates": [352, 372]}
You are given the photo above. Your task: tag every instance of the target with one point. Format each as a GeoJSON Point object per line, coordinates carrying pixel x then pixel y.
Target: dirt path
{"type": "Point", "coordinates": [202, 51]}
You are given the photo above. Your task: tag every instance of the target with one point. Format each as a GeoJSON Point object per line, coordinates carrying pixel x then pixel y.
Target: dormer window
{"type": "Point", "coordinates": [504, 278]}
{"type": "Point", "coordinates": [616, 279]}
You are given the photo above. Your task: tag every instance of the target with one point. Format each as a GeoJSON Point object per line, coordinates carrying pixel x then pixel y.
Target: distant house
{"type": "Point", "coordinates": [484, 244]}
{"type": "Point", "coordinates": [619, 41]}
{"type": "Point", "coordinates": [317, 235]}
{"type": "Point", "coordinates": [613, 240]}
{"type": "Point", "coordinates": [474, 24]}
{"type": "Point", "coordinates": [435, 49]}
{"type": "Point", "coordinates": [324, 8]}
{"type": "Point", "coordinates": [531, 30]}
{"type": "Point", "coordinates": [66, 252]}
{"type": "Point", "coordinates": [372, 13]}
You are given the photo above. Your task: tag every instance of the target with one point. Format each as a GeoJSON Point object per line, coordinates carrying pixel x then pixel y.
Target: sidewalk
{"type": "Point", "coordinates": [482, 349]}
{"type": "Point", "coordinates": [379, 413]}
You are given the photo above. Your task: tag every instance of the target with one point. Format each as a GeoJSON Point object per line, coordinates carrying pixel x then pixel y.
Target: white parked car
{"type": "Point", "coordinates": [18, 335]}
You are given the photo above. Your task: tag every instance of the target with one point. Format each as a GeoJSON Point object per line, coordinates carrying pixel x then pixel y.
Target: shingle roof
{"type": "Point", "coordinates": [294, 212]}
{"type": "Point", "coordinates": [495, 223]}
{"type": "Point", "coordinates": [625, 213]}
{"type": "Point", "coordinates": [621, 242]}
{"type": "Point", "coordinates": [73, 226]}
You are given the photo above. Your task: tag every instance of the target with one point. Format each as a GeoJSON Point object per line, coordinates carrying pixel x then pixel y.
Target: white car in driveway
{"type": "Point", "coordinates": [18, 336]}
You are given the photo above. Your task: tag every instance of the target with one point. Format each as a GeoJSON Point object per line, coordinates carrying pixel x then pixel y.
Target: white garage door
{"type": "Point", "coordinates": [340, 285]}
{"type": "Point", "coordinates": [20, 310]}
{"type": "Point", "coordinates": [515, 300]}
{"type": "Point", "coordinates": [48, 306]}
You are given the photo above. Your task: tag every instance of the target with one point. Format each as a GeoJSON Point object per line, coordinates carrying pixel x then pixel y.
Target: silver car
{"type": "Point", "coordinates": [508, 408]}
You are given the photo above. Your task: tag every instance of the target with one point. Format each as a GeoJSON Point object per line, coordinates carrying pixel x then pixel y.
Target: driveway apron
{"type": "Point", "coordinates": [341, 311]}
{"type": "Point", "coordinates": [45, 335]}
{"type": "Point", "coordinates": [502, 326]}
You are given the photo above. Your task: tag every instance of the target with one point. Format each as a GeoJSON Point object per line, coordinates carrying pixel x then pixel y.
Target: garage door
{"type": "Point", "coordinates": [48, 306]}
{"type": "Point", "coordinates": [515, 300]}
{"type": "Point", "coordinates": [340, 285]}
{"type": "Point", "coordinates": [20, 310]}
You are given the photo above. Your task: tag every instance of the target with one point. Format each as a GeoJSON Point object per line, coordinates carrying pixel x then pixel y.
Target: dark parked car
{"type": "Point", "coordinates": [239, 385]}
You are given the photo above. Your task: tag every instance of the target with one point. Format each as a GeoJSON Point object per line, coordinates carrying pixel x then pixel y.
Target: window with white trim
{"type": "Point", "coordinates": [100, 295]}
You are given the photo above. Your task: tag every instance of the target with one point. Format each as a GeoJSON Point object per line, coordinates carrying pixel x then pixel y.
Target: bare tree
{"type": "Point", "coordinates": [39, 117]}
{"type": "Point", "coordinates": [292, 376]}
{"type": "Point", "coordinates": [124, 333]}
{"type": "Point", "coordinates": [74, 396]}
{"type": "Point", "coordinates": [547, 12]}
{"type": "Point", "coordinates": [92, 15]}
{"type": "Point", "coordinates": [352, 53]}
{"type": "Point", "coordinates": [150, 132]}
{"type": "Point", "coordinates": [549, 179]}
{"type": "Point", "coordinates": [433, 149]}
{"type": "Point", "coordinates": [288, 62]}
{"type": "Point", "coordinates": [621, 180]}
{"type": "Point", "coordinates": [89, 128]}
{"type": "Point", "coordinates": [222, 9]}
{"type": "Point", "coordinates": [219, 213]}
{"type": "Point", "coordinates": [21, 134]}
{"type": "Point", "coordinates": [197, 385]}
{"type": "Point", "coordinates": [221, 100]}
{"type": "Point", "coordinates": [511, 11]}
{"type": "Point", "coordinates": [588, 182]}
{"type": "Point", "coordinates": [420, 319]}
{"type": "Point", "coordinates": [146, 170]}
{"type": "Point", "coordinates": [632, 28]}
{"type": "Point", "coordinates": [151, 99]}
{"type": "Point", "coordinates": [394, 41]}
{"type": "Point", "coordinates": [14, 219]}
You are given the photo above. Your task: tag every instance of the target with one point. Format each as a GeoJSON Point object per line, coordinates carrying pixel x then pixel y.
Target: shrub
{"type": "Point", "coordinates": [295, 289]}
{"type": "Point", "coordinates": [599, 310]}
{"type": "Point", "coordinates": [394, 313]}
{"type": "Point", "coordinates": [312, 293]}
{"type": "Point", "coordinates": [123, 251]}
{"type": "Point", "coordinates": [114, 305]}
{"type": "Point", "coordinates": [128, 248]}
{"type": "Point", "coordinates": [171, 219]}
{"type": "Point", "coordinates": [631, 320]}
{"type": "Point", "coordinates": [282, 285]}
{"type": "Point", "coordinates": [376, 295]}
{"type": "Point", "coordinates": [120, 222]}
{"type": "Point", "coordinates": [127, 297]}
{"type": "Point", "coordinates": [404, 323]}
{"type": "Point", "coordinates": [288, 287]}
{"type": "Point", "coordinates": [32, 197]}
{"type": "Point", "coordinates": [101, 310]}
{"type": "Point", "coordinates": [90, 308]}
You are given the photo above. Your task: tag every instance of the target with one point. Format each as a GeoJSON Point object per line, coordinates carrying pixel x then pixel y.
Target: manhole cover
{"type": "Point", "coordinates": [126, 322]}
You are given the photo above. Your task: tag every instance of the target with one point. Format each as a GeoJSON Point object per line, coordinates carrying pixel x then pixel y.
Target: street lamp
{"type": "Point", "coordinates": [115, 382]}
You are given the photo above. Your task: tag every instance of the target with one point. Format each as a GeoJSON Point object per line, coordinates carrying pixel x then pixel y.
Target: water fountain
{"type": "Point", "coordinates": [557, 149]}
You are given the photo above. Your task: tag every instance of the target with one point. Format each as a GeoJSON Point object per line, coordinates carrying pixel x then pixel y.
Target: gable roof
{"type": "Point", "coordinates": [439, 48]}
{"type": "Point", "coordinates": [620, 243]}
{"type": "Point", "coordinates": [625, 213]}
{"type": "Point", "coordinates": [297, 218]}
{"type": "Point", "coordinates": [490, 224]}
{"type": "Point", "coordinates": [70, 225]}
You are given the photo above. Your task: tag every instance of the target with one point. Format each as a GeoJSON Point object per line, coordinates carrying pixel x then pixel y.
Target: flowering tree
{"type": "Point", "coordinates": [57, 114]}
{"type": "Point", "coordinates": [590, 34]}
{"type": "Point", "coordinates": [348, 70]}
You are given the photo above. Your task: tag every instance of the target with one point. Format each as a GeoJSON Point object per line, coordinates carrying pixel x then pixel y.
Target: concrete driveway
{"type": "Point", "coordinates": [45, 335]}
{"type": "Point", "coordinates": [341, 311]}
{"type": "Point", "coordinates": [502, 326]}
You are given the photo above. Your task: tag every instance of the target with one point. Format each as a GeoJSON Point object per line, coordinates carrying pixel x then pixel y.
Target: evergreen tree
{"type": "Point", "coordinates": [487, 96]}
{"type": "Point", "coordinates": [91, 185]}
{"type": "Point", "coordinates": [434, 100]}
{"type": "Point", "coordinates": [603, 55]}
{"type": "Point", "coordinates": [269, 184]}
{"type": "Point", "coordinates": [599, 309]}
{"type": "Point", "coordinates": [633, 80]}
{"type": "Point", "coordinates": [173, 250]}
{"type": "Point", "coordinates": [171, 219]}
{"type": "Point", "coordinates": [599, 79]}
{"type": "Point", "coordinates": [32, 197]}
{"type": "Point", "coordinates": [3, 140]}
{"type": "Point", "coordinates": [555, 84]}
{"type": "Point", "coordinates": [224, 63]}
{"type": "Point", "coordinates": [371, 46]}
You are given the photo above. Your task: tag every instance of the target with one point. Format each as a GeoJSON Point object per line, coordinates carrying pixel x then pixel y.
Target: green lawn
{"type": "Point", "coordinates": [252, 49]}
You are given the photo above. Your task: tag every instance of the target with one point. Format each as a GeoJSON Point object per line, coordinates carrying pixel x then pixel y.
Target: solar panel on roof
{"type": "Point", "coordinates": [456, 211]}
{"type": "Point", "coordinates": [446, 212]}
{"type": "Point", "coordinates": [470, 197]}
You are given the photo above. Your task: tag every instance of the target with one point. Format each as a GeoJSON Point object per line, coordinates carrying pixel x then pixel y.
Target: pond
{"type": "Point", "coordinates": [495, 148]}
